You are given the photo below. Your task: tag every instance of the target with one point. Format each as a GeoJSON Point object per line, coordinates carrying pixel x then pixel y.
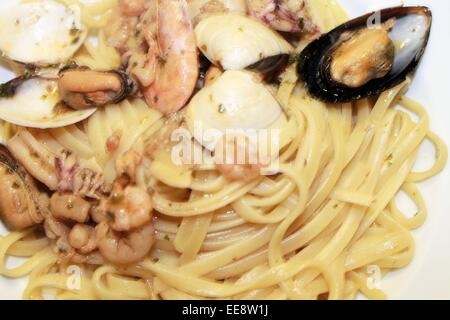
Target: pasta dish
{"type": "Point", "coordinates": [209, 149]}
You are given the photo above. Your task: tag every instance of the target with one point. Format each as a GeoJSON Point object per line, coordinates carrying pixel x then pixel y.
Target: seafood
{"type": "Point", "coordinates": [36, 159]}
{"type": "Point", "coordinates": [82, 238]}
{"type": "Point", "coordinates": [236, 100]}
{"type": "Point", "coordinates": [122, 28]}
{"type": "Point", "coordinates": [71, 177]}
{"type": "Point", "coordinates": [59, 171]}
{"type": "Point", "coordinates": [283, 15]}
{"type": "Point", "coordinates": [21, 203]}
{"type": "Point", "coordinates": [171, 63]}
{"type": "Point", "coordinates": [81, 88]}
{"type": "Point", "coordinates": [359, 59]}
{"type": "Point", "coordinates": [124, 248]}
{"type": "Point", "coordinates": [46, 111]}
{"type": "Point", "coordinates": [127, 207]}
{"type": "Point", "coordinates": [56, 230]}
{"type": "Point", "coordinates": [237, 158]}
{"type": "Point", "coordinates": [68, 207]}
{"type": "Point", "coordinates": [233, 41]}
{"type": "Point", "coordinates": [43, 33]}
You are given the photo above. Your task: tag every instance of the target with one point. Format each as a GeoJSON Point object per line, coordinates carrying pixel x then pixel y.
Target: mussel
{"type": "Point", "coordinates": [22, 204]}
{"type": "Point", "coordinates": [82, 88]}
{"type": "Point", "coordinates": [32, 101]}
{"type": "Point", "coordinates": [361, 58]}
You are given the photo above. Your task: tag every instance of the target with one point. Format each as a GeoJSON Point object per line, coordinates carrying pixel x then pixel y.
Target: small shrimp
{"type": "Point", "coordinates": [171, 63]}
{"type": "Point", "coordinates": [128, 208]}
{"type": "Point", "coordinates": [242, 172]}
{"type": "Point", "coordinates": [236, 158]}
{"type": "Point", "coordinates": [82, 238]}
{"type": "Point", "coordinates": [124, 248]}
{"type": "Point", "coordinates": [283, 15]}
{"type": "Point", "coordinates": [132, 7]}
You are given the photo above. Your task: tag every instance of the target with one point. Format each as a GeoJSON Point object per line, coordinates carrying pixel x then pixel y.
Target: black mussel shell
{"type": "Point", "coordinates": [271, 67]}
{"type": "Point", "coordinates": [8, 89]}
{"type": "Point", "coordinates": [314, 61]}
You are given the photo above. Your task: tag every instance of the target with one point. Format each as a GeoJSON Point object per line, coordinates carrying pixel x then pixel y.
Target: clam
{"type": "Point", "coordinates": [233, 41]}
{"type": "Point", "coordinates": [44, 33]}
{"type": "Point", "coordinates": [82, 88]}
{"type": "Point", "coordinates": [360, 59]}
{"type": "Point", "coordinates": [21, 202]}
{"type": "Point", "coordinates": [237, 100]}
{"type": "Point", "coordinates": [35, 102]}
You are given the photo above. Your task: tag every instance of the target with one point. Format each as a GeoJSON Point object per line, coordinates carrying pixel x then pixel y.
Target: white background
{"type": "Point", "coordinates": [428, 276]}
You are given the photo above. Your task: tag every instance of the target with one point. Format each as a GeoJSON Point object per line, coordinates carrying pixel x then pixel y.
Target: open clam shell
{"type": "Point", "coordinates": [43, 33]}
{"type": "Point", "coordinates": [237, 100]}
{"type": "Point", "coordinates": [35, 102]}
{"type": "Point", "coordinates": [233, 41]}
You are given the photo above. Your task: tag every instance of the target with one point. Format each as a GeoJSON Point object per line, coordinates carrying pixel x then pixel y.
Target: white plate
{"type": "Point", "coordinates": [428, 276]}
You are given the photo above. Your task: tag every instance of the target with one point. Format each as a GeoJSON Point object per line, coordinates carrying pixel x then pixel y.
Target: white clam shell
{"type": "Point", "coordinates": [40, 33]}
{"type": "Point", "coordinates": [235, 41]}
{"type": "Point", "coordinates": [237, 100]}
{"type": "Point", "coordinates": [33, 105]}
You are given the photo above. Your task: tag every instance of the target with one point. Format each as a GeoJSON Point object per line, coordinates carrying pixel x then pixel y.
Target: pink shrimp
{"type": "Point", "coordinates": [172, 59]}
{"type": "Point", "coordinates": [237, 158]}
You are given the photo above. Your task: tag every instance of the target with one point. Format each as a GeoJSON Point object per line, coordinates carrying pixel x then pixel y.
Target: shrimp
{"type": "Point", "coordinates": [236, 158]}
{"type": "Point", "coordinates": [124, 248]}
{"type": "Point", "coordinates": [283, 15]}
{"type": "Point", "coordinates": [128, 207]}
{"type": "Point", "coordinates": [82, 238]}
{"type": "Point", "coordinates": [171, 63]}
